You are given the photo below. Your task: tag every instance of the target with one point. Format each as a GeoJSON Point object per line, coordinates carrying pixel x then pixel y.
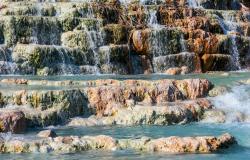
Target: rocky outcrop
{"type": "Point", "coordinates": [12, 121]}
{"type": "Point", "coordinates": [43, 108]}
{"type": "Point", "coordinates": [72, 144]}
{"type": "Point", "coordinates": [47, 133]}
{"type": "Point", "coordinates": [218, 90]}
{"type": "Point", "coordinates": [214, 116]}
{"type": "Point", "coordinates": [105, 99]}
{"type": "Point", "coordinates": [168, 114]}
{"type": "Point", "coordinates": [159, 100]}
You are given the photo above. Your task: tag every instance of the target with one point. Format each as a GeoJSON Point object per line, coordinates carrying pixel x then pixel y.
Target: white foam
{"type": "Point", "coordinates": [234, 103]}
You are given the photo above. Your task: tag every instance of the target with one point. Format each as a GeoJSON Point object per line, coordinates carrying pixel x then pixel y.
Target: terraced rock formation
{"type": "Point", "coordinates": [110, 100]}
{"type": "Point", "coordinates": [123, 37]}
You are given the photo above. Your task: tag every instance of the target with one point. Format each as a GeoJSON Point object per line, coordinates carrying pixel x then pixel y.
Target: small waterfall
{"type": "Point", "coordinates": [183, 45]}
{"type": "Point", "coordinates": [104, 53]}
{"type": "Point", "coordinates": [194, 4]}
{"type": "Point", "coordinates": [236, 103]}
{"type": "Point", "coordinates": [235, 53]}
{"type": "Point", "coordinates": [62, 57]}
{"type": "Point", "coordinates": [156, 42]}
{"type": "Point", "coordinates": [6, 136]}
{"type": "Point", "coordinates": [229, 27]}
{"type": "Point", "coordinates": [38, 7]}
{"type": "Point", "coordinates": [95, 36]}
{"type": "Point", "coordinates": [152, 20]}
{"type": "Point", "coordinates": [6, 64]}
{"type": "Point", "coordinates": [90, 12]}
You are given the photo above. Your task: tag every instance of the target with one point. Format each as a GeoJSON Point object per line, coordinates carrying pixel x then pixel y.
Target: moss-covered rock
{"type": "Point", "coordinates": [216, 62]}
{"type": "Point", "coordinates": [25, 29]}
{"type": "Point", "coordinates": [116, 33]}
{"type": "Point", "coordinates": [114, 59]}
{"type": "Point", "coordinates": [40, 56]}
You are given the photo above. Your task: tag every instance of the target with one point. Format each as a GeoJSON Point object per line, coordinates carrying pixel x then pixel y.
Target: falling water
{"type": "Point", "coordinates": [194, 3]}
{"type": "Point", "coordinates": [152, 20]}
{"type": "Point", "coordinates": [38, 7]}
{"type": "Point", "coordinates": [105, 52]}
{"type": "Point", "coordinates": [63, 59]}
{"type": "Point", "coordinates": [183, 45]}
{"type": "Point", "coordinates": [95, 36]}
{"type": "Point", "coordinates": [236, 103]}
{"type": "Point", "coordinates": [229, 27]}
{"type": "Point", "coordinates": [6, 64]}
{"type": "Point", "coordinates": [90, 12]}
{"type": "Point", "coordinates": [235, 53]}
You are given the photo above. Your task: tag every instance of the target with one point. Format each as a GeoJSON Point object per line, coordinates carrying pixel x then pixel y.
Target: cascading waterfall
{"type": "Point", "coordinates": [58, 24]}
{"type": "Point", "coordinates": [95, 37]}
{"type": "Point", "coordinates": [228, 28]}
{"type": "Point", "coordinates": [156, 43]}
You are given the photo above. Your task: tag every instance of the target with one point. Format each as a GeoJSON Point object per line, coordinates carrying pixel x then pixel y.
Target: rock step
{"type": "Point", "coordinates": [100, 97]}
{"type": "Point", "coordinates": [168, 114]}
{"type": "Point", "coordinates": [110, 59]}
{"type": "Point", "coordinates": [72, 144]}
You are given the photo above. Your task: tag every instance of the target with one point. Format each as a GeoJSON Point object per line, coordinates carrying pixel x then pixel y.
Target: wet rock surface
{"type": "Point", "coordinates": [168, 114]}
{"type": "Point", "coordinates": [47, 133]}
{"type": "Point", "coordinates": [72, 144]}
{"type": "Point", "coordinates": [104, 98]}
{"type": "Point", "coordinates": [12, 121]}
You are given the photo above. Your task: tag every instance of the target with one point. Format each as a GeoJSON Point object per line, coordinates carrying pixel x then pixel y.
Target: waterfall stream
{"type": "Point", "coordinates": [229, 29]}
{"type": "Point", "coordinates": [235, 103]}
{"type": "Point", "coordinates": [194, 3]}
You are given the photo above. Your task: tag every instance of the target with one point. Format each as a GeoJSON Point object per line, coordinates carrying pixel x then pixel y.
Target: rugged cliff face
{"type": "Point", "coordinates": [123, 37]}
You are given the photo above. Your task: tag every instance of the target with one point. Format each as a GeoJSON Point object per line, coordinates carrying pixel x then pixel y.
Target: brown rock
{"type": "Point", "coordinates": [173, 71]}
{"type": "Point", "coordinates": [140, 42]}
{"type": "Point", "coordinates": [216, 62]}
{"type": "Point", "coordinates": [15, 81]}
{"type": "Point", "coordinates": [191, 144]}
{"type": "Point", "coordinates": [47, 133]}
{"type": "Point", "coordinates": [12, 121]}
{"type": "Point", "coordinates": [104, 100]}
{"type": "Point", "coordinates": [72, 144]}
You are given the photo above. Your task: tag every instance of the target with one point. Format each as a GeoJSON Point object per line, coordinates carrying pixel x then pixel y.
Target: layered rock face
{"type": "Point", "coordinates": [72, 144]}
{"type": "Point", "coordinates": [111, 102]}
{"type": "Point", "coordinates": [123, 37]}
